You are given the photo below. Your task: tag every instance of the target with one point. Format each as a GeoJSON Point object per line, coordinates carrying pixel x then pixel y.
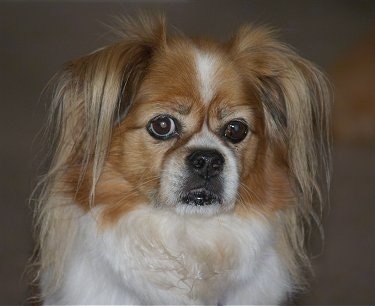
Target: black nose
{"type": "Point", "coordinates": [206, 163]}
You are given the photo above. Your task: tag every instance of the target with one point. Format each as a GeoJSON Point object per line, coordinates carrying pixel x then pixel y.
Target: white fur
{"type": "Point", "coordinates": [206, 65]}
{"type": "Point", "coordinates": [154, 256]}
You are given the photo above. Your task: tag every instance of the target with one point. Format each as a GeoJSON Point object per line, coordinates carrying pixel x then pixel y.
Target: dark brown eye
{"type": "Point", "coordinates": [235, 131]}
{"type": "Point", "coordinates": [162, 127]}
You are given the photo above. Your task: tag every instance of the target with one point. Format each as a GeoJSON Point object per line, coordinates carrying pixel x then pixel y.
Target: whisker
{"type": "Point", "coordinates": [250, 193]}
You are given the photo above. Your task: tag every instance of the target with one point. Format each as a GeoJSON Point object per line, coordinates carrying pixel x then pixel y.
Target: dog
{"type": "Point", "coordinates": [184, 171]}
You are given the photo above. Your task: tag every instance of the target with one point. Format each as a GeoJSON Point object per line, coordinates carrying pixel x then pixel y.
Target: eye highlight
{"type": "Point", "coordinates": [163, 127]}
{"type": "Point", "coordinates": [235, 131]}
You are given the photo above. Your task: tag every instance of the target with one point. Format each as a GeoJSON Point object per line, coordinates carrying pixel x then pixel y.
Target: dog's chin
{"type": "Point", "coordinates": [200, 197]}
{"type": "Point", "coordinates": [212, 209]}
{"type": "Point", "coordinates": [197, 202]}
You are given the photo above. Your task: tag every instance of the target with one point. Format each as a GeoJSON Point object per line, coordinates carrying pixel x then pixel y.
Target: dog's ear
{"type": "Point", "coordinates": [114, 73]}
{"type": "Point", "coordinates": [95, 92]}
{"type": "Point", "coordinates": [142, 37]}
{"type": "Point", "coordinates": [295, 99]}
{"type": "Point", "coordinates": [257, 55]}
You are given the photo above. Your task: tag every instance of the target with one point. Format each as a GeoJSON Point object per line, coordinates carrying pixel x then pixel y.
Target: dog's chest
{"type": "Point", "coordinates": [162, 257]}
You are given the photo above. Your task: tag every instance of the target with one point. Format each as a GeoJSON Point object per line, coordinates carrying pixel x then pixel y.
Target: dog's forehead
{"type": "Point", "coordinates": [206, 66]}
{"type": "Point", "coordinates": [200, 75]}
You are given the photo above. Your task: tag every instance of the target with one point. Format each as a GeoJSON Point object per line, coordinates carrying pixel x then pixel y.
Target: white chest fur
{"type": "Point", "coordinates": [157, 257]}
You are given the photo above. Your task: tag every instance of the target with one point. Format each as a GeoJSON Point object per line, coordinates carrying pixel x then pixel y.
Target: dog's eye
{"type": "Point", "coordinates": [162, 127]}
{"type": "Point", "coordinates": [235, 131]}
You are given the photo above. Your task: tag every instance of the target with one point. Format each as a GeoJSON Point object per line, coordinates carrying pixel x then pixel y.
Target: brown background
{"type": "Point", "coordinates": [37, 37]}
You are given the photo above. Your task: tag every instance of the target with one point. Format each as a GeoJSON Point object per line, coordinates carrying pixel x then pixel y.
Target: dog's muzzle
{"type": "Point", "coordinates": [204, 182]}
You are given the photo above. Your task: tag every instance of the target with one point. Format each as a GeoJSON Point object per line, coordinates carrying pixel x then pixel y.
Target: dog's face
{"type": "Point", "coordinates": [192, 125]}
{"type": "Point", "coordinates": [192, 130]}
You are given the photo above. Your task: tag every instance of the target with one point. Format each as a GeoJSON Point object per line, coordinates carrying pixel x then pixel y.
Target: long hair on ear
{"type": "Point", "coordinates": [296, 102]}
{"type": "Point", "coordinates": [92, 94]}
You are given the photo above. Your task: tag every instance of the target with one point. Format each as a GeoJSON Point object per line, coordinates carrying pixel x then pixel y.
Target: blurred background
{"type": "Point", "coordinates": [37, 37]}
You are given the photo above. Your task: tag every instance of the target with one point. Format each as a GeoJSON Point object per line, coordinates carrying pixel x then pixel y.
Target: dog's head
{"type": "Point", "coordinates": [193, 126]}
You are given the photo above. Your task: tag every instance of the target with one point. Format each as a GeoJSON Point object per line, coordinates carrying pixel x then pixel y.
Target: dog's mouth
{"type": "Point", "coordinates": [200, 197]}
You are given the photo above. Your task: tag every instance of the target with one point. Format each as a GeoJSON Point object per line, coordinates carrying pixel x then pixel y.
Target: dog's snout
{"type": "Point", "coordinates": [206, 163]}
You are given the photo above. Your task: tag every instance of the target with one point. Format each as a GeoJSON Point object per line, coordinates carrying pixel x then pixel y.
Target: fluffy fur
{"type": "Point", "coordinates": [120, 217]}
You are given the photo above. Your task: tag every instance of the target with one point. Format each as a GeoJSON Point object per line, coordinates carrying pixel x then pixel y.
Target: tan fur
{"type": "Point", "coordinates": [100, 159]}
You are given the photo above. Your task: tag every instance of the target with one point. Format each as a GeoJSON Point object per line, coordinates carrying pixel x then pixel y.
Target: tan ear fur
{"type": "Point", "coordinates": [296, 103]}
{"type": "Point", "coordinates": [91, 93]}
